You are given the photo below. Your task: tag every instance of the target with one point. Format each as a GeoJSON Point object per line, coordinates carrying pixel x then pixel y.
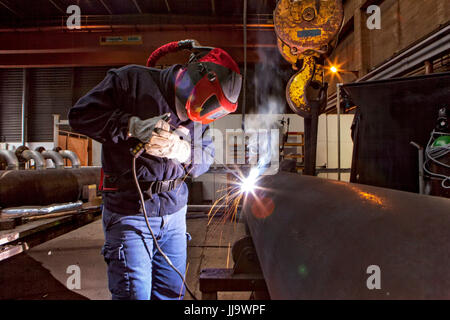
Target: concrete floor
{"type": "Point", "coordinates": [41, 273]}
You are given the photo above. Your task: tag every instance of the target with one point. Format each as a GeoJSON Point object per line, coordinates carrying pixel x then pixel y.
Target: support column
{"type": "Point", "coordinates": [25, 104]}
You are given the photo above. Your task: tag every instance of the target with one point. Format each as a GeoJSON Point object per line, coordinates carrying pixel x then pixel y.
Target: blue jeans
{"type": "Point", "coordinates": [136, 270]}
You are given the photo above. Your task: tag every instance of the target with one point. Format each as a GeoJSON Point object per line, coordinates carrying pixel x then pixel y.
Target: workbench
{"type": "Point", "coordinates": [23, 237]}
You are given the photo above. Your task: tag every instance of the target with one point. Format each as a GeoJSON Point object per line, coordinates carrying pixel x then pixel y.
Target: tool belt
{"type": "Point", "coordinates": [113, 183]}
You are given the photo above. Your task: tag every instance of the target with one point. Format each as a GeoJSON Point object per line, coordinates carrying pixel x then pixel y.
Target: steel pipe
{"type": "Point", "coordinates": [72, 156]}
{"type": "Point", "coordinates": [39, 161]}
{"type": "Point", "coordinates": [322, 239]}
{"type": "Point", "coordinates": [56, 158]}
{"type": "Point", "coordinates": [44, 187]}
{"type": "Point", "coordinates": [10, 158]}
{"type": "Point", "coordinates": [42, 210]}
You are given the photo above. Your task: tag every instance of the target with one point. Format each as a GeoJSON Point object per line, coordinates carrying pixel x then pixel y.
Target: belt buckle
{"type": "Point", "coordinates": [158, 186]}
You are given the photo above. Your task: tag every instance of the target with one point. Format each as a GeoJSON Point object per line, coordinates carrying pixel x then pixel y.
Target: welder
{"type": "Point", "coordinates": [154, 123]}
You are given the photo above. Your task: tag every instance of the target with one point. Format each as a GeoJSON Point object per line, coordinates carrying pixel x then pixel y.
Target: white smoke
{"type": "Point", "coordinates": [265, 128]}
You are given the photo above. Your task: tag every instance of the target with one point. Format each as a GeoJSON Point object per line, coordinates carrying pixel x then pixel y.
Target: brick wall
{"type": "Point", "coordinates": [403, 22]}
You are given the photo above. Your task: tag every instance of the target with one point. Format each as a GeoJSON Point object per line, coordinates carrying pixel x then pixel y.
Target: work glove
{"type": "Point", "coordinates": [166, 144]}
{"type": "Point", "coordinates": [144, 129]}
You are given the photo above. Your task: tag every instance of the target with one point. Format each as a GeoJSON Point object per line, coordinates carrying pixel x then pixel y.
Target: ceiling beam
{"type": "Point", "coordinates": [51, 48]}
{"type": "Point", "coordinates": [138, 7]}
{"type": "Point", "coordinates": [213, 7]}
{"type": "Point", "coordinates": [57, 7]}
{"type": "Point", "coordinates": [106, 6]}
{"type": "Point", "coordinates": [106, 58]}
{"type": "Point", "coordinates": [10, 8]}
{"type": "Point", "coordinates": [168, 6]}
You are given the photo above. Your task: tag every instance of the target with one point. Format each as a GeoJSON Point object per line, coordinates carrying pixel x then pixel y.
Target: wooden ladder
{"type": "Point", "coordinates": [298, 144]}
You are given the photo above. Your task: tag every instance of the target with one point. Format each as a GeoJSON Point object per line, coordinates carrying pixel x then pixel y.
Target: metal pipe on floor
{"type": "Point", "coordinates": [323, 239]}
{"type": "Point", "coordinates": [10, 158]}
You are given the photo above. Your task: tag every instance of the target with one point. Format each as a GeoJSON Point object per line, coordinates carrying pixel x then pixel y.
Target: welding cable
{"type": "Point", "coordinates": [141, 196]}
{"type": "Point", "coordinates": [433, 154]}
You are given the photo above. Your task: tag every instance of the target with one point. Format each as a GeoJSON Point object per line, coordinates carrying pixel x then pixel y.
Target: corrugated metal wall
{"type": "Point", "coordinates": [87, 78]}
{"type": "Point", "coordinates": [51, 91]}
{"type": "Point", "coordinates": [10, 104]}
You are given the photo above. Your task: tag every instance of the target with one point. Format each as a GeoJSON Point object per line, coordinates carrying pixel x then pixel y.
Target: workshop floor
{"type": "Point", "coordinates": [42, 272]}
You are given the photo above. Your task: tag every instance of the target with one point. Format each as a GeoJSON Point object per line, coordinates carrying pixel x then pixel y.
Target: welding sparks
{"type": "Point", "coordinates": [234, 194]}
{"type": "Point", "coordinates": [248, 184]}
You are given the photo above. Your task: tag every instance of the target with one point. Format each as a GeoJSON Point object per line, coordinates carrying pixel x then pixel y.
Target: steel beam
{"type": "Point", "coordinates": [138, 7]}
{"type": "Point", "coordinates": [319, 239]}
{"type": "Point", "coordinates": [213, 7]}
{"type": "Point", "coordinates": [169, 10]}
{"type": "Point", "coordinates": [10, 8]}
{"type": "Point", "coordinates": [106, 7]}
{"type": "Point", "coordinates": [56, 48]}
{"type": "Point", "coordinates": [57, 7]}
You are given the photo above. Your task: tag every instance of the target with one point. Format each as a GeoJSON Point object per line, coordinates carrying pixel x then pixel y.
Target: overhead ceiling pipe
{"type": "Point", "coordinates": [10, 158]}
{"type": "Point", "coordinates": [39, 161]}
{"type": "Point", "coordinates": [72, 156]}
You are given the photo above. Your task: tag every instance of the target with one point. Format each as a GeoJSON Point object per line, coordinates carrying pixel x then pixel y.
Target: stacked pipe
{"type": "Point", "coordinates": [43, 187]}
{"type": "Point", "coordinates": [17, 159]}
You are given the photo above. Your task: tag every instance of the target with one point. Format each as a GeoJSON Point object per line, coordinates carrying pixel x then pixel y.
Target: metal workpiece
{"type": "Point", "coordinates": [324, 239]}
{"type": "Point", "coordinates": [55, 157]}
{"type": "Point", "coordinates": [72, 156]}
{"type": "Point", "coordinates": [10, 158]}
{"type": "Point", "coordinates": [44, 187]}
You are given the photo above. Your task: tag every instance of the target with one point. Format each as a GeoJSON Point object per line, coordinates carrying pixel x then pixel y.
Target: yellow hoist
{"type": "Point", "coordinates": [307, 31]}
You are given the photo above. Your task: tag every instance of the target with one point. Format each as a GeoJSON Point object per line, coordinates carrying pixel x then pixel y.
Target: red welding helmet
{"type": "Point", "coordinates": [209, 85]}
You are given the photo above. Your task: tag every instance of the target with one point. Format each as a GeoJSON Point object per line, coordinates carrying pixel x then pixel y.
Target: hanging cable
{"type": "Point", "coordinates": [432, 154]}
